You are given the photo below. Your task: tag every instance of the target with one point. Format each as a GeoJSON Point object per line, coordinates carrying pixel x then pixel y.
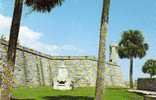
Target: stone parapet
{"type": "Point", "coordinates": [35, 52]}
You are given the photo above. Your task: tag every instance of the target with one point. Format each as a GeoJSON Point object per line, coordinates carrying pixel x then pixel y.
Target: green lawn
{"type": "Point", "coordinates": [45, 93]}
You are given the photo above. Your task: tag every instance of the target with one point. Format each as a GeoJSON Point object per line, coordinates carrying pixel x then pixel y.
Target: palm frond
{"type": "Point", "coordinates": [43, 5]}
{"type": "Point", "coordinates": [132, 45]}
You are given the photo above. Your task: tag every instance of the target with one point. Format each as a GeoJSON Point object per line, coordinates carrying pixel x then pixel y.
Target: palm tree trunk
{"type": "Point", "coordinates": [11, 54]}
{"type": "Point", "coordinates": [100, 81]}
{"type": "Point", "coordinates": [151, 76]}
{"type": "Point", "coordinates": [131, 73]}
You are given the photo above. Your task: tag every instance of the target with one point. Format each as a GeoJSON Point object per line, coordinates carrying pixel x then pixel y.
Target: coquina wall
{"type": "Point", "coordinates": [148, 84]}
{"type": "Point", "coordinates": [34, 68]}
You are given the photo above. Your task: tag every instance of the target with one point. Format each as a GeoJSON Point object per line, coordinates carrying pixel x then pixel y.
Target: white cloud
{"type": "Point", "coordinates": [4, 23]}
{"type": "Point", "coordinates": [30, 38]}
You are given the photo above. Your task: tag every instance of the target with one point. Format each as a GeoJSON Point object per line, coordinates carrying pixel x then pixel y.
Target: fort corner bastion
{"type": "Point", "coordinates": [35, 69]}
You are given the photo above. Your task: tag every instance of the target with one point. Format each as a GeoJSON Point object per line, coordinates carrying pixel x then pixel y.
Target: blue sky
{"type": "Point", "coordinates": [73, 28]}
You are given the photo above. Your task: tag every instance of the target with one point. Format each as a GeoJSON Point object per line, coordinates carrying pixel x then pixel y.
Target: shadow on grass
{"type": "Point", "coordinates": [22, 99]}
{"type": "Point", "coordinates": [67, 98]}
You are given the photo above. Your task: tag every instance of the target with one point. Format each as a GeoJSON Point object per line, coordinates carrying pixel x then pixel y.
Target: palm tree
{"type": "Point", "coordinates": [132, 46]}
{"type": "Point", "coordinates": [36, 5]}
{"type": "Point", "coordinates": [101, 56]}
{"type": "Point", "coordinates": [150, 67]}
{"type": "Point", "coordinates": [11, 54]}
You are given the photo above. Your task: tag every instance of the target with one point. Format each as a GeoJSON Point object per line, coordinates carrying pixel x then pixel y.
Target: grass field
{"type": "Point", "coordinates": [45, 93]}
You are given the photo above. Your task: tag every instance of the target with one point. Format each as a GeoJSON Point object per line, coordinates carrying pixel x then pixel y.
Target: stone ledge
{"type": "Point", "coordinates": [142, 92]}
{"type": "Point", "coordinates": [150, 97]}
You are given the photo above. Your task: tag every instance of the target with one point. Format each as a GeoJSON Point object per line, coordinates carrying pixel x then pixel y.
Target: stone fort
{"type": "Point", "coordinates": [34, 68]}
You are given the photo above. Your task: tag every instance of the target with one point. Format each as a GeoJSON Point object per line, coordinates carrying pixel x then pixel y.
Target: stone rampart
{"type": "Point", "coordinates": [34, 68]}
